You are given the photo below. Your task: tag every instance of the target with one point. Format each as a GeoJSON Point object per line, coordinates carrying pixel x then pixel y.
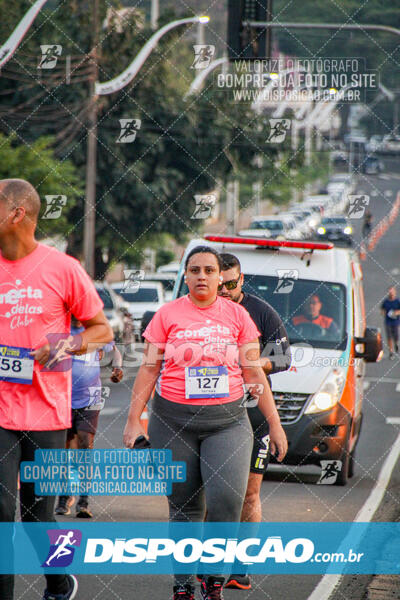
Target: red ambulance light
{"type": "Point", "coordinates": [227, 239]}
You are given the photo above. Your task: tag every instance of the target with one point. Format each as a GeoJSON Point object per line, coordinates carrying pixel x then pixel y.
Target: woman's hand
{"type": "Point", "coordinates": [131, 432]}
{"type": "Point", "coordinates": [278, 441]}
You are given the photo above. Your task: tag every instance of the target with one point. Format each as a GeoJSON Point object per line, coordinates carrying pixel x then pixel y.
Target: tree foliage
{"type": "Point", "coordinates": [36, 163]}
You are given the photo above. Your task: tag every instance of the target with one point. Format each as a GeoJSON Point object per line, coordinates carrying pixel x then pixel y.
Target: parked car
{"type": "Point", "coordinates": [339, 158]}
{"type": "Point", "coordinates": [169, 268]}
{"type": "Point", "coordinates": [326, 201]}
{"type": "Point", "coordinates": [390, 145]}
{"type": "Point", "coordinates": [375, 143]}
{"type": "Point", "coordinates": [272, 227]}
{"type": "Point", "coordinates": [335, 229]}
{"type": "Point", "coordinates": [148, 296]}
{"type": "Point", "coordinates": [372, 165]}
{"type": "Point", "coordinates": [301, 227]}
{"type": "Point", "coordinates": [307, 219]}
{"type": "Point", "coordinates": [167, 280]}
{"type": "Point", "coordinates": [113, 308]}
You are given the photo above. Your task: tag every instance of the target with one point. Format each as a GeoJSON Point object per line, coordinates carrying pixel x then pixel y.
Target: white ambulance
{"type": "Point", "coordinates": [317, 290]}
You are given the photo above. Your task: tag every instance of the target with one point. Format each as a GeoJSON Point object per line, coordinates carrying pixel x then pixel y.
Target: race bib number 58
{"type": "Point", "coordinates": [16, 364]}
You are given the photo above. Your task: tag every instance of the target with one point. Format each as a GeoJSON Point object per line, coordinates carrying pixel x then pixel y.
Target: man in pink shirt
{"type": "Point", "coordinates": [40, 288]}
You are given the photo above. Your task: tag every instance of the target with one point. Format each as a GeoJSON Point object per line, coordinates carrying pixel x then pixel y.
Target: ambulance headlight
{"type": "Point", "coordinates": [321, 230]}
{"type": "Point", "coordinates": [348, 230]}
{"type": "Point", "coordinates": [330, 393]}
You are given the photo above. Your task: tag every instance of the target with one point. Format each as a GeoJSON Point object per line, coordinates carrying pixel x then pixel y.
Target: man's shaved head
{"type": "Point", "coordinates": [18, 192]}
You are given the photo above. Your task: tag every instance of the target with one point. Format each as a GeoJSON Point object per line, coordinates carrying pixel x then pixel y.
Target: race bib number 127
{"type": "Point", "coordinates": [206, 382]}
{"type": "Point", "coordinates": [16, 364]}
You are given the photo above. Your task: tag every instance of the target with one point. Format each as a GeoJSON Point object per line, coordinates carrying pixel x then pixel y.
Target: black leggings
{"type": "Point", "coordinates": [215, 442]}
{"type": "Point", "coordinates": [17, 446]}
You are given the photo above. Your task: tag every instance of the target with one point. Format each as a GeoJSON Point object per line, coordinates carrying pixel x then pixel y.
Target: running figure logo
{"type": "Point", "coordinates": [61, 347]}
{"type": "Point", "coordinates": [129, 129]}
{"type": "Point", "coordinates": [202, 56]}
{"type": "Point", "coordinates": [286, 281]}
{"type": "Point", "coordinates": [330, 469]}
{"type": "Point", "coordinates": [62, 547]}
{"type": "Point", "coordinates": [251, 394]}
{"type": "Point", "coordinates": [279, 129]}
{"type": "Point", "coordinates": [205, 204]}
{"type": "Point", "coordinates": [54, 207]}
{"type": "Point", "coordinates": [357, 206]}
{"type": "Point", "coordinates": [98, 396]}
{"type": "Point", "coordinates": [50, 54]}
{"type": "Point", "coordinates": [133, 277]}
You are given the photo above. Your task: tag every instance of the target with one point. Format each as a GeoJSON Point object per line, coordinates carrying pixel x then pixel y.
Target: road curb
{"type": "Point", "coordinates": [383, 587]}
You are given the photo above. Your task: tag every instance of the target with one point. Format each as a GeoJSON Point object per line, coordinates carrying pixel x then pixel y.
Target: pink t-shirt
{"type": "Point", "coordinates": [192, 336]}
{"type": "Point", "coordinates": [38, 293]}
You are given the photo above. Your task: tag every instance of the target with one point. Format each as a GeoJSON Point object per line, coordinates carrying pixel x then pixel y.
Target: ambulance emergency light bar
{"type": "Point", "coordinates": [227, 239]}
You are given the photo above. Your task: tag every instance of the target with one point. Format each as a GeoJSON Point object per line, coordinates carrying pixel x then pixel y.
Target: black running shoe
{"type": "Point", "coordinates": [239, 582]}
{"type": "Point", "coordinates": [183, 592]}
{"type": "Point", "coordinates": [211, 588]}
{"type": "Point", "coordinates": [82, 510]}
{"type": "Point", "coordinates": [73, 588]}
{"type": "Point", "coordinates": [64, 505]}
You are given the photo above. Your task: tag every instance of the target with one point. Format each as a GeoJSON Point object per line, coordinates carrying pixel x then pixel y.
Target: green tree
{"type": "Point", "coordinates": [37, 164]}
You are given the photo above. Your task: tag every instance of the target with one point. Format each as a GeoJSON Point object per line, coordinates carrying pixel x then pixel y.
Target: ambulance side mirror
{"type": "Point", "coordinates": [369, 347]}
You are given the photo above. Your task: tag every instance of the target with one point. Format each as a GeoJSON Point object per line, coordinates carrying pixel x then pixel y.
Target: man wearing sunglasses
{"type": "Point", "coordinates": [275, 357]}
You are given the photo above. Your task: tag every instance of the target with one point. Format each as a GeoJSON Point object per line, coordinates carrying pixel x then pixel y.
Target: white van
{"type": "Point", "coordinates": [320, 398]}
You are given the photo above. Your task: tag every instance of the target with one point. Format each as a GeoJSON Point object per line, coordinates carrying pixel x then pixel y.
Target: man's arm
{"type": "Point", "coordinates": [97, 333]}
{"type": "Point", "coordinates": [275, 355]}
{"type": "Point", "coordinates": [249, 359]}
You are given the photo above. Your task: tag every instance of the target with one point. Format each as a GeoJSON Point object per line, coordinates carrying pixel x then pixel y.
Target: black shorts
{"type": "Point", "coordinates": [83, 419]}
{"type": "Point", "coordinates": [392, 332]}
{"type": "Point", "coordinates": [260, 454]}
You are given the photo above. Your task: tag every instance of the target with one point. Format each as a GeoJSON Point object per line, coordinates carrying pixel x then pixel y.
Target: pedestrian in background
{"type": "Point", "coordinates": [390, 309]}
{"type": "Point", "coordinates": [275, 357]}
{"type": "Point", "coordinates": [86, 403]}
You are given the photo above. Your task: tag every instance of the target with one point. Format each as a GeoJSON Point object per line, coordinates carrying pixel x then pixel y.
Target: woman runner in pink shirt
{"type": "Point", "coordinates": [200, 350]}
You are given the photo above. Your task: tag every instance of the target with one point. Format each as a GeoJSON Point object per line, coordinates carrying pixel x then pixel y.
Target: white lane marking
{"type": "Point", "coordinates": [107, 412]}
{"type": "Point", "coordinates": [328, 583]}
{"type": "Point", "coordinates": [383, 379]}
{"type": "Point", "coordinates": [366, 385]}
{"type": "Point", "coordinates": [392, 420]}
{"type": "Point", "coordinates": [398, 387]}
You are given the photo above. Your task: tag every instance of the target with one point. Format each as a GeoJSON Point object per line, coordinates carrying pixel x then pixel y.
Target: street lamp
{"type": "Point", "coordinates": [198, 81]}
{"type": "Point", "coordinates": [132, 70]}
{"type": "Point", "coordinates": [102, 89]}
{"type": "Point", "coordinates": [10, 46]}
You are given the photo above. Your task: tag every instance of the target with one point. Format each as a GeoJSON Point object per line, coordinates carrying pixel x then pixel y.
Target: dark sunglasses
{"type": "Point", "coordinates": [230, 285]}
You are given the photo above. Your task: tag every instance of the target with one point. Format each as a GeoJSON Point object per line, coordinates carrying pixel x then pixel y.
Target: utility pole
{"type": "Point", "coordinates": [269, 31]}
{"type": "Point", "coordinates": [91, 156]}
{"type": "Point", "coordinates": [257, 187]}
{"type": "Point", "coordinates": [200, 39]}
{"type": "Point", "coordinates": [395, 116]}
{"type": "Point", "coordinates": [232, 205]}
{"type": "Point", "coordinates": [155, 13]}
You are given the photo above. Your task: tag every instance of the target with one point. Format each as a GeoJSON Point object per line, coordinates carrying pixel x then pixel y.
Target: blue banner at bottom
{"type": "Point", "coordinates": [219, 548]}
